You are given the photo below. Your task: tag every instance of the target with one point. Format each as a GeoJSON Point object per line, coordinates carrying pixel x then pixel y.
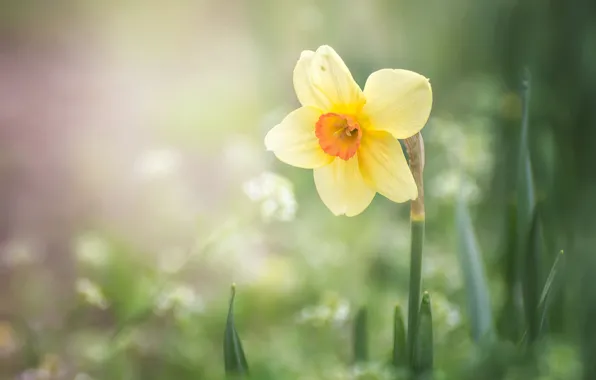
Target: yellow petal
{"type": "Point", "coordinates": [294, 142]}
{"type": "Point", "coordinates": [397, 101]}
{"type": "Point", "coordinates": [308, 95]}
{"type": "Point", "coordinates": [384, 167]}
{"type": "Point", "coordinates": [342, 188]}
{"type": "Point", "coordinates": [322, 80]}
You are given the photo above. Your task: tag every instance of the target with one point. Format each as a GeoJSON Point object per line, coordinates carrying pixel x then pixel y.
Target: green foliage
{"type": "Point", "coordinates": [399, 356]}
{"type": "Point", "coordinates": [424, 355]}
{"type": "Point", "coordinates": [525, 180]}
{"type": "Point", "coordinates": [531, 279]}
{"type": "Point", "coordinates": [360, 338]}
{"type": "Point", "coordinates": [479, 306]}
{"type": "Point", "coordinates": [553, 281]}
{"type": "Point", "coordinates": [234, 358]}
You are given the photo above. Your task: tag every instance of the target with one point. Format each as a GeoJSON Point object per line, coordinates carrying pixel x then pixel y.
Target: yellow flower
{"type": "Point", "coordinates": [348, 135]}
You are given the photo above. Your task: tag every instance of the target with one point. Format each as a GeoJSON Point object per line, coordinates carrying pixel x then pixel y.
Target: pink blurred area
{"type": "Point", "coordinates": [113, 117]}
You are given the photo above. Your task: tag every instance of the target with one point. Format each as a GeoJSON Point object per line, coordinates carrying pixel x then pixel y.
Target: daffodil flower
{"type": "Point", "coordinates": [350, 136]}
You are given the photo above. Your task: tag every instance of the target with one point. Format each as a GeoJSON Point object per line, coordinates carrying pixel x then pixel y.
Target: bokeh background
{"type": "Point", "coordinates": [135, 187]}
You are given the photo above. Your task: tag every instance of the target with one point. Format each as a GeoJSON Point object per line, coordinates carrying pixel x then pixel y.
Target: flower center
{"type": "Point", "coordinates": [339, 135]}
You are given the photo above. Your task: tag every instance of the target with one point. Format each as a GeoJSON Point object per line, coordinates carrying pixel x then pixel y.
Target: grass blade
{"type": "Point", "coordinates": [511, 321]}
{"type": "Point", "coordinates": [479, 307]}
{"type": "Point", "coordinates": [545, 297]}
{"type": "Point", "coordinates": [423, 356]}
{"type": "Point", "coordinates": [525, 182]}
{"type": "Point", "coordinates": [531, 278]}
{"type": "Point", "coordinates": [399, 356]}
{"type": "Point", "coordinates": [361, 336]}
{"type": "Point", "coordinates": [234, 358]}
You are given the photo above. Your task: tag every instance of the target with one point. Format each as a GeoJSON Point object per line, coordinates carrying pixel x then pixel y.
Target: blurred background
{"type": "Point", "coordinates": [135, 186]}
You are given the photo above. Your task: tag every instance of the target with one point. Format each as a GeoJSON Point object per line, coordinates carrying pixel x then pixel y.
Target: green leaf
{"type": "Point", "coordinates": [234, 358]}
{"type": "Point", "coordinates": [531, 278]}
{"type": "Point", "coordinates": [525, 182]}
{"type": "Point", "coordinates": [361, 336]}
{"type": "Point", "coordinates": [545, 297]}
{"type": "Point", "coordinates": [423, 355]}
{"type": "Point", "coordinates": [479, 308]}
{"type": "Point", "coordinates": [511, 321]}
{"type": "Point", "coordinates": [399, 355]}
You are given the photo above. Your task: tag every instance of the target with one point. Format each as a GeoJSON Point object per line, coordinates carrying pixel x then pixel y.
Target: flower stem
{"type": "Point", "coordinates": [415, 148]}
{"type": "Point", "coordinates": [415, 284]}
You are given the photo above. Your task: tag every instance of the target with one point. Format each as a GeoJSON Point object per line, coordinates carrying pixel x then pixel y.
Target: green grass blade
{"type": "Point", "coordinates": [528, 223]}
{"type": "Point", "coordinates": [545, 297]}
{"type": "Point", "coordinates": [531, 278]}
{"type": "Point", "coordinates": [479, 307]}
{"type": "Point", "coordinates": [399, 355]}
{"type": "Point", "coordinates": [551, 277]}
{"type": "Point", "coordinates": [417, 244]}
{"type": "Point", "coordinates": [423, 355]}
{"type": "Point", "coordinates": [511, 321]}
{"type": "Point", "coordinates": [525, 183]}
{"type": "Point", "coordinates": [234, 358]}
{"type": "Point", "coordinates": [361, 336]}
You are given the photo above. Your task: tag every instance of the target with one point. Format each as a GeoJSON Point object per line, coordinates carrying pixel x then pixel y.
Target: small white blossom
{"type": "Point", "coordinates": [446, 313]}
{"type": "Point", "coordinates": [336, 312]}
{"type": "Point", "coordinates": [92, 249]}
{"type": "Point", "coordinates": [275, 195]}
{"type": "Point", "coordinates": [453, 316]}
{"type": "Point", "coordinates": [342, 312]}
{"type": "Point", "coordinates": [268, 209]}
{"type": "Point", "coordinates": [179, 299]}
{"type": "Point", "coordinates": [91, 293]}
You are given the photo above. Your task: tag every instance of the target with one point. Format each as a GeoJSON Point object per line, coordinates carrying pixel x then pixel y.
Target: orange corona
{"type": "Point", "coordinates": [339, 135]}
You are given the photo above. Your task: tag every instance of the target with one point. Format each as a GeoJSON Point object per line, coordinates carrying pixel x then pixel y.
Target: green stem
{"type": "Point", "coordinates": [415, 148]}
{"type": "Point", "coordinates": [361, 336]}
{"type": "Point", "coordinates": [415, 284]}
